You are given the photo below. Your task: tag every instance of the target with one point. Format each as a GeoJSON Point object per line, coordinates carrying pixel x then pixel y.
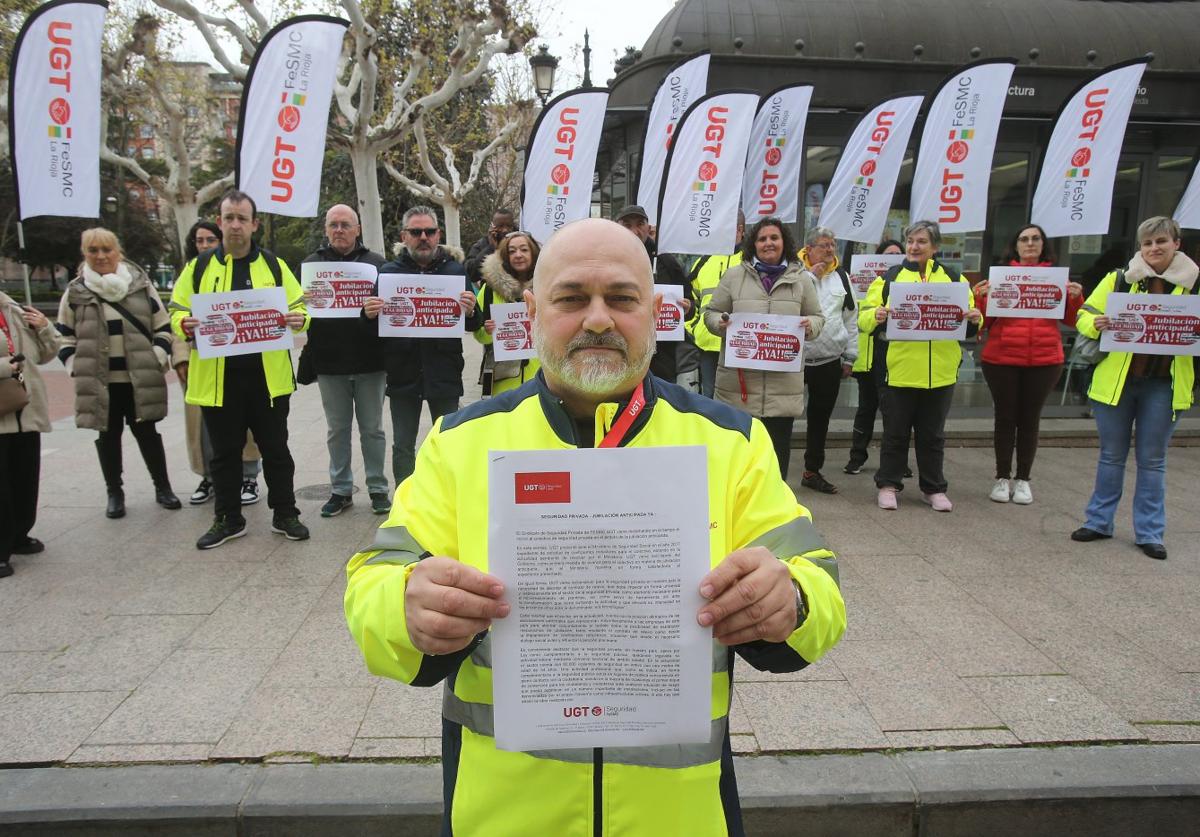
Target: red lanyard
{"type": "Point", "coordinates": [12, 347]}
{"type": "Point", "coordinates": [616, 433]}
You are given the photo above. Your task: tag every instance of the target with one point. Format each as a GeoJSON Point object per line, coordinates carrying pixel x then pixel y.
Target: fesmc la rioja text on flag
{"type": "Point", "coordinates": [1074, 190]}
{"type": "Point", "coordinates": [684, 83]}
{"type": "Point", "coordinates": [950, 184]}
{"type": "Point", "coordinates": [772, 184]}
{"type": "Point", "coordinates": [860, 193]}
{"type": "Point", "coordinates": [702, 183]}
{"type": "Point", "coordinates": [285, 114]}
{"type": "Point", "coordinates": [1188, 212]}
{"type": "Point", "coordinates": [54, 110]}
{"type": "Point", "coordinates": [560, 162]}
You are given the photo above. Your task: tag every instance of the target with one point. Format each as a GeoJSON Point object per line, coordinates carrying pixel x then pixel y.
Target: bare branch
{"type": "Point", "coordinates": [209, 191]}
{"type": "Point", "coordinates": [205, 24]}
{"type": "Point", "coordinates": [419, 189]}
{"type": "Point", "coordinates": [260, 21]}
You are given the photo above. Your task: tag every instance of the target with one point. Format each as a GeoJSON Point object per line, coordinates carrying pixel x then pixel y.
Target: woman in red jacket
{"type": "Point", "coordinates": [1022, 361]}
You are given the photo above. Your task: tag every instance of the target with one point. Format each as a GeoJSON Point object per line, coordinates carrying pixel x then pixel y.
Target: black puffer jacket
{"type": "Point", "coordinates": [426, 367]}
{"type": "Point", "coordinates": [345, 346]}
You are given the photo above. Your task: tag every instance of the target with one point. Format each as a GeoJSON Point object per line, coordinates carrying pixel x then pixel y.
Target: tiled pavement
{"type": "Point", "coordinates": [985, 627]}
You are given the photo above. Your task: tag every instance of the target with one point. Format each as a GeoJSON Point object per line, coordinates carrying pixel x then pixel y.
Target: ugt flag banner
{"type": "Point", "coordinates": [285, 112]}
{"type": "Point", "coordinates": [54, 110]}
{"type": "Point", "coordinates": [950, 184]}
{"type": "Point", "coordinates": [684, 83]}
{"type": "Point", "coordinates": [1074, 190]}
{"type": "Point", "coordinates": [560, 161]}
{"type": "Point", "coordinates": [860, 193]}
{"type": "Point", "coordinates": [1188, 212]}
{"type": "Point", "coordinates": [772, 183]}
{"type": "Point", "coordinates": [702, 184]}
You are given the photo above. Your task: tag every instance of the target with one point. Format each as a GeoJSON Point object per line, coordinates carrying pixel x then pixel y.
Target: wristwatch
{"type": "Point", "coordinates": [801, 607]}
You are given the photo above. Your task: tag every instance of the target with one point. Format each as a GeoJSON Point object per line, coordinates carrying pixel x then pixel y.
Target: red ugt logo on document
{"type": "Point", "coordinates": [543, 487]}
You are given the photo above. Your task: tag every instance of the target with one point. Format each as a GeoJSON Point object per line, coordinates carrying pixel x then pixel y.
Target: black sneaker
{"type": "Point", "coordinates": [335, 505]}
{"type": "Point", "coordinates": [814, 480]}
{"type": "Point", "coordinates": [290, 527]}
{"type": "Point", "coordinates": [1084, 535]}
{"type": "Point", "coordinates": [380, 502]}
{"type": "Point", "coordinates": [5, 569]}
{"type": "Point", "coordinates": [249, 492]}
{"type": "Point", "coordinates": [29, 546]}
{"type": "Point", "coordinates": [223, 529]}
{"type": "Point", "coordinates": [853, 467]}
{"type": "Point", "coordinates": [202, 494]}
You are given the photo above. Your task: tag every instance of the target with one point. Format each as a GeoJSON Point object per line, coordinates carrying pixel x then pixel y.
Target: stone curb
{"type": "Point", "coordinates": [1117, 790]}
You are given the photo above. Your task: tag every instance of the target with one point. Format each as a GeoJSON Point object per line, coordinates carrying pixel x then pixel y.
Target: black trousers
{"type": "Point", "coordinates": [864, 416]}
{"type": "Point", "coordinates": [122, 411]}
{"type": "Point", "coordinates": [20, 470]}
{"type": "Point", "coordinates": [779, 428]}
{"type": "Point", "coordinates": [923, 412]}
{"type": "Point", "coordinates": [1019, 393]}
{"type": "Point", "coordinates": [247, 406]}
{"type": "Point", "coordinates": [822, 382]}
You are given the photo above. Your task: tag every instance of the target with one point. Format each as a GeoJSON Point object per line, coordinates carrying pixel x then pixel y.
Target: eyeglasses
{"type": "Point", "coordinates": [1029, 239]}
{"type": "Point", "coordinates": [419, 232]}
{"type": "Point", "coordinates": [516, 233]}
{"type": "Point", "coordinates": [340, 225]}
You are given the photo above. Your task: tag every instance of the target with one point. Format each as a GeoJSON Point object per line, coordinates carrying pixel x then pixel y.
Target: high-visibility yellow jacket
{"type": "Point", "coordinates": [706, 275]}
{"type": "Point", "coordinates": [917, 364]}
{"type": "Point", "coordinates": [442, 509]}
{"type": "Point", "coordinates": [206, 376]}
{"type": "Point", "coordinates": [1108, 381]}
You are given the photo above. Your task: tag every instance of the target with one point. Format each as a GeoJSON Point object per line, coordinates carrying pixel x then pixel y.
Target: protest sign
{"type": "Point", "coordinates": [1034, 292]}
{"type": "Point", "coordinates": [928, 311]}
{"type": "Point", "coordinates": [513, 337]}
{"type": "Point", "coordinates": [1152, 324]}
{"type": "Point", "coordinates": [337, 289]}
{"type": "Point", "coordinates": [419, 305]}
{"type": "Point", "coordinates": [241, 322]}
{"type": "Point", "coordinates": [865, 269]}
{"type": "Point", "coordinates": [670, 315]}
{"type": "Point", "coordinates": [770, 342]}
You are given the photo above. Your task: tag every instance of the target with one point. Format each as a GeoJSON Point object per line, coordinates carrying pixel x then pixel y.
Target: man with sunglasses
{"type": "Point", "coordinates": [428, 369]}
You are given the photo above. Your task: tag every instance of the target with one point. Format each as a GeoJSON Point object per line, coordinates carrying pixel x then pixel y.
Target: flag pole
{"type": "Point", "coordinates": [24, 264]}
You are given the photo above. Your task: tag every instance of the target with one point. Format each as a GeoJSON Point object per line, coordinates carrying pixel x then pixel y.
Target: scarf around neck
{"type": "Point", "coordinates": [768, 273]}
{"type": "Point", "coordinates": [1182, 271]}
{"type": "Point", "coordinates": [111, 287]}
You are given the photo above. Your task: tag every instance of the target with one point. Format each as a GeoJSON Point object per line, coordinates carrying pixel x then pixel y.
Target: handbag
{"type": "Point", "coordinates": [13, 396]}
{"type": "Point", "coordinates": [306, 369]}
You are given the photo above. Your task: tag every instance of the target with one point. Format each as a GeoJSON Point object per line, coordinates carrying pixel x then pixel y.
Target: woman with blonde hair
{"type": "Point", "coordinates": [506, 274]}
{"type": "Point", "coordinates": [117, 344]}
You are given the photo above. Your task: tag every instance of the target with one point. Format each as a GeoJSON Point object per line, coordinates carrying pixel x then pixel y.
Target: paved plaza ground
{"type": "Point", "coordinates": [985, 627]}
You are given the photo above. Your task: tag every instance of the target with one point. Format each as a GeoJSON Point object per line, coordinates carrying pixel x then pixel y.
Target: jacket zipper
{"type": "Point", "coordinates": [598, 792]}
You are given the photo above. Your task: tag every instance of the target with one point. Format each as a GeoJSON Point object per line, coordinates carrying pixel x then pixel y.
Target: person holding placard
{"type": "Point", "coordinates": [1146, 390]}
{"type": "Point", "coordinates": [246, 391]}
{"type": "Point", "coordinates": [347, 357]}
{"type": "Point", "coordinates": [118, 347]}
{"type": "Point", "coordinates": [829, 358]}
{"type": "Point", "coordinates": [1022, 361]}
{"type": "Point", "coordinates": [919, 373]}
{"type": "Point", "coordinates": [768, 280]}
{"type": "Point", "coordinates": [506, 274]}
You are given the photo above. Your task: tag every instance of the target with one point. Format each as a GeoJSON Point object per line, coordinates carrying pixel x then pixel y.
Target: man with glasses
{"type": "Point", "coordinates": [503, 223]}
{"type": "Point", "coordinates": [347, 357]}
{"type": "Point", "coordinates": [426, 369]}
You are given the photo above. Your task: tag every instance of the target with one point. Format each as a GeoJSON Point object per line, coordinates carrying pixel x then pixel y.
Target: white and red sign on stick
{"type": "Point", "coordinates": [1039, 293]}
{"type": "Point", "coordinates": [771, 342]}
{"type": "Point", "coordinates": [670, 315]}
{"type": "Point", "coordinates": [1152, 324]}
{"type": "Point", "coordinates": [772, 184]}
{"type": "Point", "coordinates": [683, 84]}
{"type": "Point", "coordinates": [241, 322]}
{"type": "Point", "coordinates": [865, 269]}
{"type": "Point", "coordinates": [420, 305]}
{"type": "Point", "coordinates": [337, 289]}
{"type": "Point", "coordinates": [513, 337]}
{"type": "Point", "coordinates": [928, 311]}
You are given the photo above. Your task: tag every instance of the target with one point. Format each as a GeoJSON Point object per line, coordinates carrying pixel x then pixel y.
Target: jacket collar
{"type": "Point", "coordinates": [563, 424]}
{"type": "Point", "coordinates": [1182, 271]}
{"type": "Point", "coordinates": [221, 256]}
{"type": "Point", "coordinates": [440, 257]}
{"type": "Point", "coordinates": [503, 284]}
{"type": "Point", "coordinates": [326, 252]}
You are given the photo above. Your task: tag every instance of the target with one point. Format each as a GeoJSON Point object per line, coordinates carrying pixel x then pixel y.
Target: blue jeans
{"type": "Point", "coordinates": [1146, 402]}
{"type": "Point", "coordinates": [708, 372]}
{"type": "Point", "coordinates": [343, 397]}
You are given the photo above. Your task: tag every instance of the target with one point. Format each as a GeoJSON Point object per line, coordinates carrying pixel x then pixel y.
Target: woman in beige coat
{"type": "Point", "coordinates": [769, 280]}
{"type": "Point", "coordinates": [117, 343]}
{"type": "Point", "coordinates": [26, 339]}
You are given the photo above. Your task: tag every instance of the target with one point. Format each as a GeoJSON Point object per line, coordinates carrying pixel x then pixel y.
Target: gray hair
{"type": "Point", "coordinates": [930, 227]}
{"type": "Point", "coordinates": [420, 209]}
{"type": "Point", "coordinates": [816, 234]}
{"type": "Point", "coordinates": [1157, 225]}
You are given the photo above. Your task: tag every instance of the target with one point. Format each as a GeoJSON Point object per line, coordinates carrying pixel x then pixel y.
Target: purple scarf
{"type": "Point", "coordinates": [768, 273]}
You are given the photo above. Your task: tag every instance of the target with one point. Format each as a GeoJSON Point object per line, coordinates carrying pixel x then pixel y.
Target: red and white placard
{"type": "Point", "coordinates": [1152, 324]}
{"type": "Point", "coordinates": [928, 311]}
{"type": "Point", "coordinates": [1039, 293]}
{"type": "Point", "coordinates": [670, 315]}
{"type": "Point", "coordinates": [865, 269]}
{"type": "Point", "coordinates": [337, 289]}
{"type": "Point", "coordinates": [420, 305]}
{"type": "Point", "coordinates": [241, 322]}
{"type": "Point", "coordinates": [771, 342]}
{"type": "Point", "coordinates": [513, 337]}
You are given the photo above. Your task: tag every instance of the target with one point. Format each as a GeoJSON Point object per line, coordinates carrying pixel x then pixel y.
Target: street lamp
{"type": "Point", "coordinates": [544, 64]}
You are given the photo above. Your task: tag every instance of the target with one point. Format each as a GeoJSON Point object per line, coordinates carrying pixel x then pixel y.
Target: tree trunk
{"type": "Point", "coordinates": [185, 214]}
{"type": "Point", "coordinates": [366, 183]}
{"type": "Point", "coordinates": [453, 222]}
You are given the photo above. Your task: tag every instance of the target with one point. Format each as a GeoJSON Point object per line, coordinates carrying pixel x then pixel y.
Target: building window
{"type": "Point", "coordinates": [146, 131]}
{"type": "Point", "coordinates": [148, 152]}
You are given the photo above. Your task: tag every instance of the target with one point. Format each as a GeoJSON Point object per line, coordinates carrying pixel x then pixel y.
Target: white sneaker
{"type": "Point", "coordinates": [1000, 493]}
{"type": "Point", "coordinates": [1021, 493]}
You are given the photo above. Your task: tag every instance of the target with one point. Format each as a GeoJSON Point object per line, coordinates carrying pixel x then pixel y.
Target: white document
{"type": "Point", "coordinates": [670, 315]}
{"type": "Point", "coordinates": [603, 570]}
{"type": "Point", "coordinates": [420, 305]}
{"type": "Point", "coordinates": [1152, 324]}
{"type": "Point", "coordinates": [241, 322]}
{"type": "Point", "coordinates": [928, 311]}
{"type": "Point", "coordinates": [771, 342]}
{"type": "Point", "coordinates": [1038, 293]}
{"type": "Point", "coordinates": [865, 269]}
{"type": "Point", "coordinates": [513, 337]}
{"type": "Point", "coordinates": [337, 289]}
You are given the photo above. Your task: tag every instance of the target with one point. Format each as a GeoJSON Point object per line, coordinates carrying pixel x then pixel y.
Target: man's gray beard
{"type": "Point", "coordinates": [592, 375]}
